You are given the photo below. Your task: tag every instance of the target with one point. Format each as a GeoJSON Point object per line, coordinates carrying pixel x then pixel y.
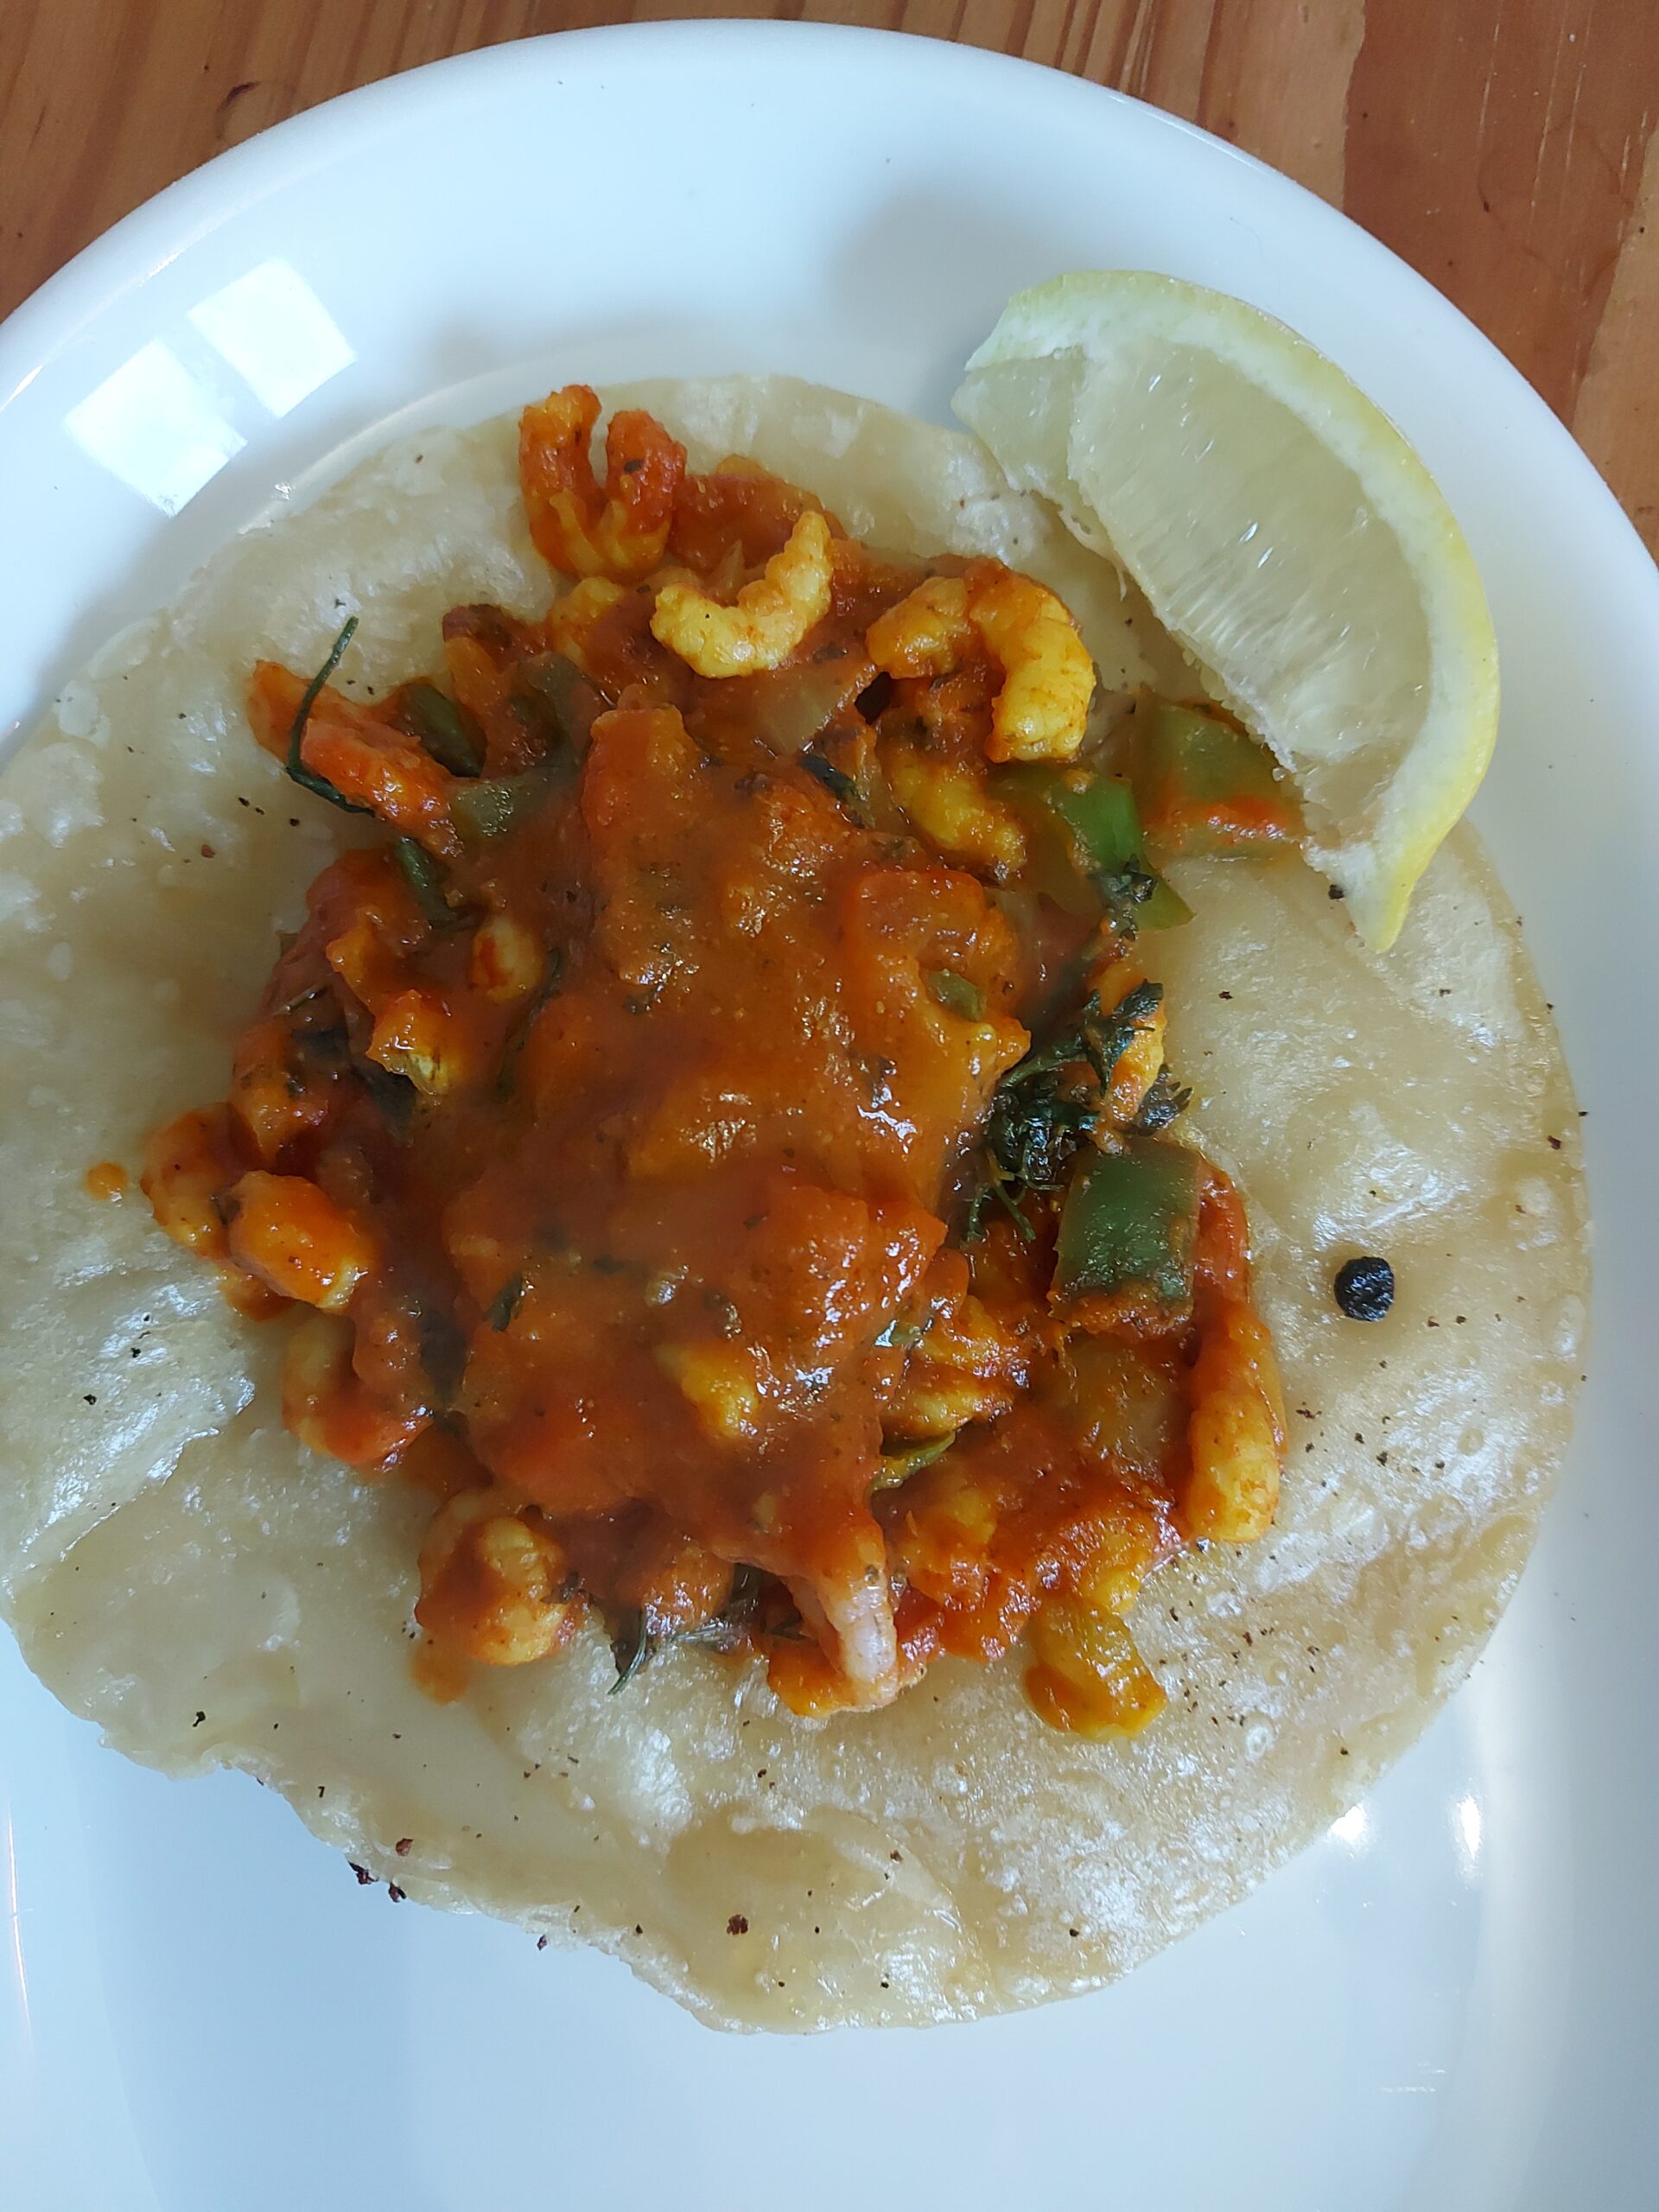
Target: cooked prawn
{"type": "Point", "coordinates": [570, 620]}
{"type": "Point", "coordinates": [968, 1367]}
{"type": "Point", "coordinates": [494, 1581]}
{"type": "Point", "coordinates": [849, 1609]}
{"type": "Point", "coordinates": [579, 529]}
{"type": "Point", "coordinates": [1041, 710]}
{"type": "Point", "coordinates": [1236, 1420]}
{"type": "Point", "coordinates": [327, 1404]}
{"type": "Point", "coordinates": [369, 761]}
{"type": "Point", "coordinates": [771, 617]}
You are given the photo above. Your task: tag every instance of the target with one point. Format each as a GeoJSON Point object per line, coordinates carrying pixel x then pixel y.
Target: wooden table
{"type": "Point", "coordinates": [1504, 147]}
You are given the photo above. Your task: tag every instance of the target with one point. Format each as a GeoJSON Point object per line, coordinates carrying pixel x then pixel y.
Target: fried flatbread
{"type": "Point", "coordinates": [179, 1570]}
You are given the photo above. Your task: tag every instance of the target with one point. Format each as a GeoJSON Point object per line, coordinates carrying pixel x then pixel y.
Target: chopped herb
{"type": "Point", "coordinates": [728, 1627]}
{"type": "Point", "coordinates": [878, 1070]}
{"type": "Point", "coordinates": [728, 1319]}
{"type": "Point", "coordinates": [1043, 1110]}
{"type": "Point", "coordinates": [425, 878]}
{"type": "Point", "coordinates": [840, 786]}
{"type": "Point", "coordinates": [1033, 1129]}
{"type": "Point", "coordinates": [395, 1095]}
{"type": "Point", "coordinates": [505, 1303]}
{"type": "Point", "coordinates": [723, 1633]}
{"type": "Point", "coordinates": [900, 1334]}
{"type": "Point", "coordinates": [900, 1465]}
{"type": "Point", "coordinates": [1165, 1100]}
{"type": "Point", "coordinates": [1105, 1039]}
{"type": "Point", "coordinates": [325, 1042]}
{"type": "Point", "coordinates": [636, 1643]}
{"type": "Point", "coordinates": [955, 994]}
{"type": "Point", "coordinates": [443, 1352]}
{"type": "Point", "coordinates": [307, 778]}
{"type": "Point", "coordinates": [507, 1074]}
{"type": "Point", "coordinates": [445, 730]}
{"type": "Point", "coordinates": [747, 1585]}
{"type": "Point", "coordinates": [630, 1647]}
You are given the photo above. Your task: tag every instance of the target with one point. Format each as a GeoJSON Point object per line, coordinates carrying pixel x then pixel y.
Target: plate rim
{"type": "Point", "coordinates": [170, 220]}
{"type": "Point", "coordinates": [91, 282]}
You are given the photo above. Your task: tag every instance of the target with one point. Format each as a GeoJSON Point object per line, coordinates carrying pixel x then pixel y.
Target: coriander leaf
{"type": "Point", "coordinates": [1106, 1037]}
{"type": "Point", "coordinates": [1165, 1100]}
{"type": "Point", "coordinates": [1044, 1109]}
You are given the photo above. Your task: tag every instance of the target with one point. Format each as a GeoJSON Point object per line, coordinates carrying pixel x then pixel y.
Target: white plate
{"type": "Point", "coordinates": [1452, 1998]}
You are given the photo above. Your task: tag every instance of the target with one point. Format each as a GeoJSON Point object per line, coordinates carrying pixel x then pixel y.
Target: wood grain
{"type": "Point", "coordinates": [1503, 147]}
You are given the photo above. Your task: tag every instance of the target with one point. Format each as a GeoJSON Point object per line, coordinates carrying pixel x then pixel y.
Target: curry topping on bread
{"type": "Point", "coordinates": [720, 1140]}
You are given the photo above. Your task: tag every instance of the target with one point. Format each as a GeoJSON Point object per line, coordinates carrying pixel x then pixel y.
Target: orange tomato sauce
{"type": "Point", "coordinates": [613, 1129]}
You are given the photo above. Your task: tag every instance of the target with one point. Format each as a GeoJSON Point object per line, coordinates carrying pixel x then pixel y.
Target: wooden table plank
{"type": "Point", "coordinates": [1503, 147]}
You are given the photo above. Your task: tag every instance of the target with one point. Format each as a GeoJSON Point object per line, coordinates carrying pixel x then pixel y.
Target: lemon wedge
{"type": "Point", "coordinates": [1283, 532]}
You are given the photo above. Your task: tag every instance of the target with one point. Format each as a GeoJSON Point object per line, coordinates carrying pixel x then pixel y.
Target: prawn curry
{"type": "Point", "coordinates": [715, 1136]}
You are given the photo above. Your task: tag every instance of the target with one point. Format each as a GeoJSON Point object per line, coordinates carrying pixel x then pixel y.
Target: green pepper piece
{"type": "Point", "coordinates": [425, 878]}
{"type": "Point", "coordinates": [1100, 812]}
{"type": "Point", "coordinates": [444, 729]}
{"type": "Point", "coordinates": [1130, 1218]}
{"type": "Point", "coordinates": [1163, 908]}
{"type": "Point", "coordinates": [495, 804]}
{"type": "Point", "coordinates": [1104, 820]}
{"type": "Point", "coordinates": [560, 686]}
{"type": "Point", "coordinates": [955, 994]}
{"type": "Point", "coordinates": [1103, 825]}
{"type": "Point", "coordinates": [1203, 787]}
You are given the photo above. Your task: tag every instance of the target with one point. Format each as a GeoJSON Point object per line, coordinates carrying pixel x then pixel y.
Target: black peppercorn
{"type": "Point", "coordinates": [1364, 1289]}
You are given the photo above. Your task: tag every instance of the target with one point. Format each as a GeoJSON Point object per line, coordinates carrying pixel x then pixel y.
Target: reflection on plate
{"type": "Point", "coordinates": [159, 424]}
